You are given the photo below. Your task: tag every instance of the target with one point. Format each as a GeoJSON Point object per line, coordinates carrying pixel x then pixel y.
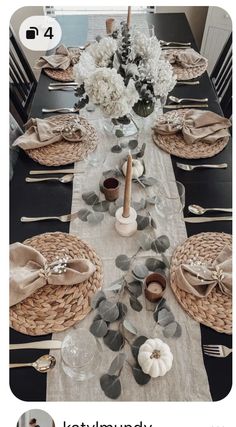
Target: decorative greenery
{"type": "Point", "coordinates": [165, 318]}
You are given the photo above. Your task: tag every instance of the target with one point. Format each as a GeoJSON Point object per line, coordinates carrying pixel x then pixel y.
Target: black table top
{"type": "Point", "coordinates": [204, 187]}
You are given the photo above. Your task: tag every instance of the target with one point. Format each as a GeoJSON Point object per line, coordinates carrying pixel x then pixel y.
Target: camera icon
{"type": "Point", "coordinates": [32, 32]}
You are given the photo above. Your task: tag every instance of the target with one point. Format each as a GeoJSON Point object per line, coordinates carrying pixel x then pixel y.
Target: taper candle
{"type": "Point", "coordinates": [129, 16]}
{"type": "Point", "coordinates": [128, 182]}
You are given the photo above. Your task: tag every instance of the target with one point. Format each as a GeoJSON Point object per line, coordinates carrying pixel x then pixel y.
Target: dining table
{"type": "Point", "coordinates": [205, 187]}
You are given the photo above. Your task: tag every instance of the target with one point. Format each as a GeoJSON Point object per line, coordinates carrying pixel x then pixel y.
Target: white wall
{"type": "Point", "coordinates": [17, 18]}
{"type": "Point", "coordinates": [196, 16]}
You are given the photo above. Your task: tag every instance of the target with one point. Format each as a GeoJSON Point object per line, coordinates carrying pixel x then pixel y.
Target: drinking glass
{"type": "Point", "coordinates": [169, 198]}
{"type": "Point", "coordinates": [81, 354]}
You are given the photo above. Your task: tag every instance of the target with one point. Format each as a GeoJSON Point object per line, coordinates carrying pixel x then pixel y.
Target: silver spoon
{"type": "Point", "coordinates": [179, 100]}
{"type": "Point", "coordinates": [64, 179]}
{"type": "Point", "coordinates": [43, 364]}
{"type": "Point", "coordinates": [199, 210]}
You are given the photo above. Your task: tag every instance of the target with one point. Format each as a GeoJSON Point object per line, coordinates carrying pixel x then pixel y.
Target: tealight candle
{"type": "Point", "coordinates": [155, 285]}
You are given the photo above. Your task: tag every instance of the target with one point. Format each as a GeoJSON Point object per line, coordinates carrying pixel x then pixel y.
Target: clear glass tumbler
{"type": "Point", "coordinates": [81, 354]}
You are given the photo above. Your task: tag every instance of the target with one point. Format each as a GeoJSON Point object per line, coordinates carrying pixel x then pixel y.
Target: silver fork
{"type": "Point", "coordinates": [60, 110]}
{"type": "Point", "coordinates": [187, 167]}
{"type": "Point", "coordinates": [216, 350]}
{"type": "Point", "coordinates": [62, 218]}
{"type": "Point", "coordinates": [164, 43]}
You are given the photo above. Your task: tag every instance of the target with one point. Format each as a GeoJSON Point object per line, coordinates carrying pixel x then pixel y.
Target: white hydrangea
{"type": "Point", "coordinates": [84, 68]}
{"type": "Point", "coordinates": [164, 78]}
{"type": "Point", "coordinates": [145, 46]}
{"type": "Point", "coordinates": [106, 88]}
{"type": "Point", "coordinates": [102, 51]}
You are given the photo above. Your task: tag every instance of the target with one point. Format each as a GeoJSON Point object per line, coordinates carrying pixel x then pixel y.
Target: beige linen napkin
{"type": "Point", "coordinates": [199, 280]}
{"type": "Point", "coordinates": [30, 271]}
{"type": "Point", "coordinates": [42, 132]}
{"type": "Point", "coordinates": [61, 60]}
{"type": "Point", "coordinates": [195, 125]}
{"type": "Point", "coordinates": [187, 58]}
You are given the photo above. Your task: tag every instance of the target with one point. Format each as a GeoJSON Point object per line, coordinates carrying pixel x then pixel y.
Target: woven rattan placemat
{"type": "Point", "coordinates": [60, 75]}
{"type": "Point", "coordinates": [64, 152]}
{"type": "Point", "coordinates": [215, 310]}
{"type": "Point", "coordinates": [185, 73]}
{"type": "Point", "coordinates": [176, 145]}
{"type": "Point", "coordinates": [56, 308]}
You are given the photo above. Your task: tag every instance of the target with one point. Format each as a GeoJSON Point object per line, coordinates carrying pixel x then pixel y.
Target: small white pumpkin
{"type": "Point", "coordinates": [137, 168]}
{"type": "Point", "coordinates": [155, 357]}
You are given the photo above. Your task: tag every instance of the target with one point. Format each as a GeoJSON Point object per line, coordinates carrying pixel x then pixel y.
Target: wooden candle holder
{"type": "Point", "coordinates": [126, 227]}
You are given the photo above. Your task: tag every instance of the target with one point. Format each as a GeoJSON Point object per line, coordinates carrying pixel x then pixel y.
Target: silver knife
{"type": "Point", "coordinates": [208, 219]}
{"type": "Point", "coordinates": [178, 106]}
{"type": "Point", "coordinates": [50, 344]}
{"type": "Point", "coordinates": [63, 84]}
{"type": "Point", "coordinates": [65, 88]}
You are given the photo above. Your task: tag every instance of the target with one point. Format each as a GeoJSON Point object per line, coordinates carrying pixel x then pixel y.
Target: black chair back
{"type": "Point", "coordinates": [221, 78]}
{"type": "Point", "coordinates": [22, 82]}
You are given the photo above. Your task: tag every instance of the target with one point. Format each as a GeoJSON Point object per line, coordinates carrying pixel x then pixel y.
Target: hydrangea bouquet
{"type": "Point", "coordinates": [122, 73]}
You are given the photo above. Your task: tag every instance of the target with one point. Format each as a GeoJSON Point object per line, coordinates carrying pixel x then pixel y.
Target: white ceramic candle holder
{"type": "Point", "coordinates": [126, 227]}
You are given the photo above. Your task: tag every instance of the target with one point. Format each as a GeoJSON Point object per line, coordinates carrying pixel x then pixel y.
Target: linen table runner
{"type": "Point", "coordinates": [187, 380]}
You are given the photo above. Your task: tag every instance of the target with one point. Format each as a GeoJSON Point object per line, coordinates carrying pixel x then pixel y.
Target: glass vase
{"type": "Point", "coordinates": [123, 127]}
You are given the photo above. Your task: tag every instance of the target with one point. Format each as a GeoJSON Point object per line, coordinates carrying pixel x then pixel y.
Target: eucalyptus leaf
{"type": "Point", "coordinates": [135, 303]}
{"type": "Point", "coordinates": [142, 221]}
{"type": "Point", "coordinates": [145, 241]}
{"type": "Point", "coordinates": [101, 206]}
{"type": "Point", "coordinates": [116, 285]}
{"type": "Point", "coordinates": [123, 120]}
{"type": "Point", "coordinates": [137, 344]}
{"type": "Point", "coordinates": [117, 364]}
{"type": "Point", "coordinates": [95, 218]}
{"type": "Point", "coordinates": [119, 133]}
{"type": "Point", "coordinates": [122, 310]}
{"type": "Point", "coordinates": [130, 327]}
{"type": "Point", "coordinates": [99, 328]}
{"type": "Point", "coordinates": [116, 149]}
{"type": "Point", "coordinates": [165, 317]}
{"type": "Point", "coordinates": [124, 144]}
{"type": "Point", "coordinates": [97, 317]}
{"type": "Point", "coordinates": [140, 271]}
{"type": "Point", "coordinates": [165, 260]}
{"type": "Point", "coordinates": [140, 377]}
{"type": "Point", "coordinates": [90, 198]}
{"type": "Point", "coordinates": [178, 331]}
{"type": "Point", "coordinates": [161, 244]}
{"type": "Point", "coordinates": [111, 386]}
{"type": "Point", "coordinates": [135, 288]}
{"type": "Point", "coordinates": [97, 298]}
{"type": "Point", "coordinates": [138, 206]}
{"type": "Point", "coordinates": [133, 143]}
{"type": "Point", "coordinates": [108, 310]}
{"type": "Point", "coordinates": [169, 330]}
{"type": "Point", "coordinates": [161, 304]}
{"type": "Point", "coordinates": [114, 340]}
{"type": "Point", "coordinates": [148, 181]}
{"type": "Point", "coordinates": [142, 151]}
{"type": "Point", "coordinates": [154, 264]}
{"type": "Point", "coordinates": [83, 214]}
{"type": "Point", "coordinates": [122, 262]}
{"type": "Point", "coordinates": [112, 209]}
{"type": "Point", "coordinates": [153, 223]}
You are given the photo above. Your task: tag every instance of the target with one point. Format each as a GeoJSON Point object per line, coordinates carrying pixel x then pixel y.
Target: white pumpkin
{"type": "Point", "coordinates": [155, 357]}
{"type": "Point", "coordinates": [137, 168]}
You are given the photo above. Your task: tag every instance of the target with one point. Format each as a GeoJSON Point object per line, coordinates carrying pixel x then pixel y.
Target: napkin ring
{"type": "Point", "coordinates": [57, 267]}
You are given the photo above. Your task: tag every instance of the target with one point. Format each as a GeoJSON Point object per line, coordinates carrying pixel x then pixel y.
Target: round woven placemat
{"type": "Point", "coordinates": [60, 75]}
{"type": "Point", "coordinates": [64, 152]}
{"type": "Point", "coordinates": [176, 145]}
{"type": "Point", "coordinates": [185, 73]}
{"type": "Point", "coordinates": [56, 308]}
{"type": "Point", "coordinates": [215, 310]}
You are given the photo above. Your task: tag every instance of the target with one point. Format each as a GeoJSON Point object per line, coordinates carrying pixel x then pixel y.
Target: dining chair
{"type": "Point", "coordinates": [22, 82]}
{"type": "Point", "coordinates": [221, 78]}
{"type": "Point", "coordinates": [14, 132]}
